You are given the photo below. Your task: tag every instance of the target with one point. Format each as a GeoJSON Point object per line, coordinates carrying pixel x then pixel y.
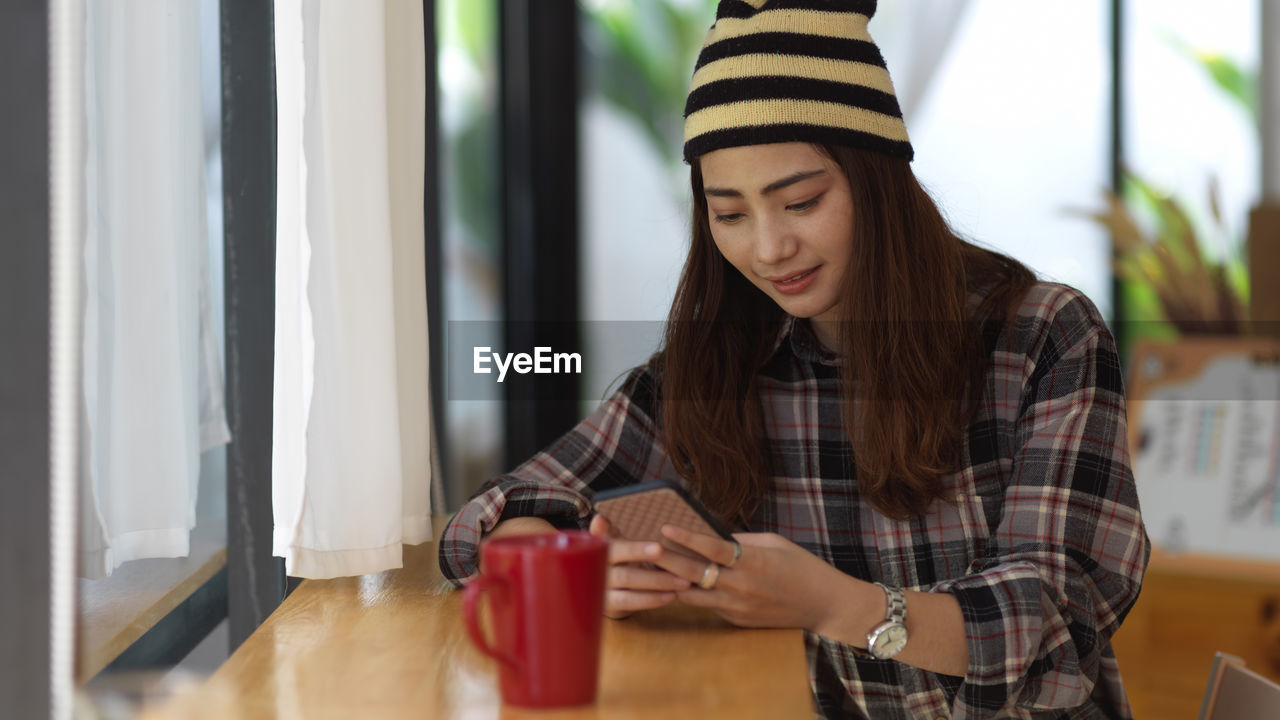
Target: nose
{"type": "Point", "coordinates": [775, 243]}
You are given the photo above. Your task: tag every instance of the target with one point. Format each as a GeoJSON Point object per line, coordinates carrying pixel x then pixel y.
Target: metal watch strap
{"type": "Point", "coordinates": [896, 601]}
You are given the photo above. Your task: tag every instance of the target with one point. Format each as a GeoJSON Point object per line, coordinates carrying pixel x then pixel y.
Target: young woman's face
{"type": "Point", "coordinates": [782, 214]}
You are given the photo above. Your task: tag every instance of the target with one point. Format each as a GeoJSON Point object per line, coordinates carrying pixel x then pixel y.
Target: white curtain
{"type": "Point", "coordinates": [153, 398]}
{"type": "Point", "coordinates": [352, 461]}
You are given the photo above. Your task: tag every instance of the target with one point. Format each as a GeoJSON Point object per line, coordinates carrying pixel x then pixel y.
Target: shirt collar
{"type": "Point", "coordinates": [797, 334]}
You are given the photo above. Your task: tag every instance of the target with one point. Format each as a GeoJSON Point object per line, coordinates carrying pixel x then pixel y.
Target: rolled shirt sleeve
{"type": "Point", "coordinates": [1065, 563]}
{"type": "Point", "coordinates": [618, 444]}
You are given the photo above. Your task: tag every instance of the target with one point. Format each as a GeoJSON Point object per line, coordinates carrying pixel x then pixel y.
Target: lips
{"type": "Point", "coordinates": [795, 282]}
{"type": "Point", "coordinates": [790, 278]}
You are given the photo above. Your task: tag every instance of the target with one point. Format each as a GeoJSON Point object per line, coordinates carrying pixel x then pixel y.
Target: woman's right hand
{"type": "Point", "coordinates": [634, 582]}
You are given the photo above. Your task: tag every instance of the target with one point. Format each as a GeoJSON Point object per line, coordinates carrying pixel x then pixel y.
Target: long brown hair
{"type": "Point", "coordinates": [913, 355]}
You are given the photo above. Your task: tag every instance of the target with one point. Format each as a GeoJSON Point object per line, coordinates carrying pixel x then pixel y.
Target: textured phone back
{"type": "Point", "coordinates": [642, 515]}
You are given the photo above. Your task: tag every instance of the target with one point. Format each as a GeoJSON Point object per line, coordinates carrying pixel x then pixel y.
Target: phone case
{"type": "Point", "coordinates": [638, 512]}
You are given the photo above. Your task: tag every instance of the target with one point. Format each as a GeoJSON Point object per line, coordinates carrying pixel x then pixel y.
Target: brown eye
{"type": "Point", "coordinates": [798, 207]}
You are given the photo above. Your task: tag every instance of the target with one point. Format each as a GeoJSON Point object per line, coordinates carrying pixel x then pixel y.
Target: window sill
{"type": "Point", "coordinates": [116, 611]}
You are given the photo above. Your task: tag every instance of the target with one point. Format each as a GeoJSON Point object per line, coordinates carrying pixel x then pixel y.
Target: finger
{"type": "Point", "coordinates": [713, 548]}
{"type": "Point", "coordinates": [701, 598]}
{"type": "Point", "coordinates": [600, 526]}
{"type": "Point", "coordinates": [621, 603]}
{"type": "Point", "coordinates": [726, 604]}
{"type": "Point", "coordinates": [630, 551]}
{"type": "Point", "coordinates": [690, 569]}
{"type": "Point", "coordinates": [634, 577]}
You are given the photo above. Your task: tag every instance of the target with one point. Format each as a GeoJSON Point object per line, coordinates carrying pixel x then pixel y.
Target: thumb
{"type": "Point", "coordinates": [600, 526]}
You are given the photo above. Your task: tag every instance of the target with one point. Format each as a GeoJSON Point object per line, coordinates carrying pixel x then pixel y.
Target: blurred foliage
{"type": "Point", "coordinates": [1169, 271]}
{"type": "Point", "coordinates": [468, 31]}
{"type": "Point", "coordinates": [476, 173]}
{"type": "Point", "coordinates": [1237, 82]}
{"type": "Point", "coordinates": [640, 55]}
{"type": "Point", "coordinates": [473, 29]}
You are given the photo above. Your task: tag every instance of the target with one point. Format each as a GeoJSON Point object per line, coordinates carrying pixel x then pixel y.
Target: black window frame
{"type": "Point", "coordinates": [26, 686]}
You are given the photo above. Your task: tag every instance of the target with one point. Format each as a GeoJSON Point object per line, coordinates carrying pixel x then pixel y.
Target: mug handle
{"type": "Point", "coordinates": [470, 617]}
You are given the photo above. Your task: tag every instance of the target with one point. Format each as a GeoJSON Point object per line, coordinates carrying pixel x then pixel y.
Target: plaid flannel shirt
{"type": "Point", "coordinates": [1044, 547]}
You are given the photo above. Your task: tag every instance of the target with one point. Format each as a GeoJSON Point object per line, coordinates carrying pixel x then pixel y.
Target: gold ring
{"type": "Point", "coordinates": [709, 576]}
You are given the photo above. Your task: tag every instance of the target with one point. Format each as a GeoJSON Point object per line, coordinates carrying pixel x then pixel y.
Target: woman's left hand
{"type": "Point", "coordinates": [774, 583]}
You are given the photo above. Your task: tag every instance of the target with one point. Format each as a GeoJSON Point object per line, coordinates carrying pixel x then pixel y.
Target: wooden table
{"type": "Point", "coordinates": [392, 645]}
{"type": "Point", "coordinates": [1192, 606]}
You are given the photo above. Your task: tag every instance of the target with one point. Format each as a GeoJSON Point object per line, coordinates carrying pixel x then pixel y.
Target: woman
{"type": "Point", "coordinates": [923, 447]}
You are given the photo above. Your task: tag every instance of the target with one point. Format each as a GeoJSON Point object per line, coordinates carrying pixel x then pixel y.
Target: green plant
{"type": "Point", "coordinates": [1239, 83]}
{"type": "Point", "coordinates": [1168, 272]}
{"type": "Point", "coordinates": [641, 55]}
{"type": "Point", "coordinates": [638, 54]}
{"type": "Point", "coordinates": [1169, 264]}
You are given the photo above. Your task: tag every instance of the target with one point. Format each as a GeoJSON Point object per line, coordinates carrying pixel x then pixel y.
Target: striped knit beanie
{"type": "Point", "coordinates": [792, 70]}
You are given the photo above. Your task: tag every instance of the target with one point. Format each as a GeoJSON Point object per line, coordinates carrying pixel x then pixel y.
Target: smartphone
{"type": "Point", "coordinates": [638, 512]}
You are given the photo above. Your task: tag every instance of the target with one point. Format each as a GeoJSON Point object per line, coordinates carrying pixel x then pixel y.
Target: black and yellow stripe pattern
{"type": "Point", "coordinates": [792, 70]}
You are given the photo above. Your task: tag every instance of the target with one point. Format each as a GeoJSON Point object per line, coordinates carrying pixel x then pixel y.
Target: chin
{"type": "Point", "coordinates": [803, 309]}
{"type": "Point", "coordinates": [802, 312]}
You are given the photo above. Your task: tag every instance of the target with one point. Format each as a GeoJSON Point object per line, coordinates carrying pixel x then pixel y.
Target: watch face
{"type": "Point", "coordinates": [890, 641]}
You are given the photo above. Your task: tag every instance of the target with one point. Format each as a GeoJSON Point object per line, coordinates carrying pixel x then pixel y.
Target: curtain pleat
{"type": "Point", "coordinates": [352, 461]}
{"type": "Point", "coordinates": [152, 380]}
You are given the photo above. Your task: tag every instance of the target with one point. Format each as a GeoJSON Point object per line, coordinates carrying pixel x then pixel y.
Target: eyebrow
{"type": "Point", "coordinates": [771, 187]}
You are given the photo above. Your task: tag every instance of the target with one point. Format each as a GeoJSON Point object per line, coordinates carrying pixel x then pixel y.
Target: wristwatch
{"type": "Point", "coordinates": [889, 637]}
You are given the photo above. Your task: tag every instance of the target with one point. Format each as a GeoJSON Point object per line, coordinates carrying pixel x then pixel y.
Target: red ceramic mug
{"type": "Point", "coordinates": [546, 601]}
